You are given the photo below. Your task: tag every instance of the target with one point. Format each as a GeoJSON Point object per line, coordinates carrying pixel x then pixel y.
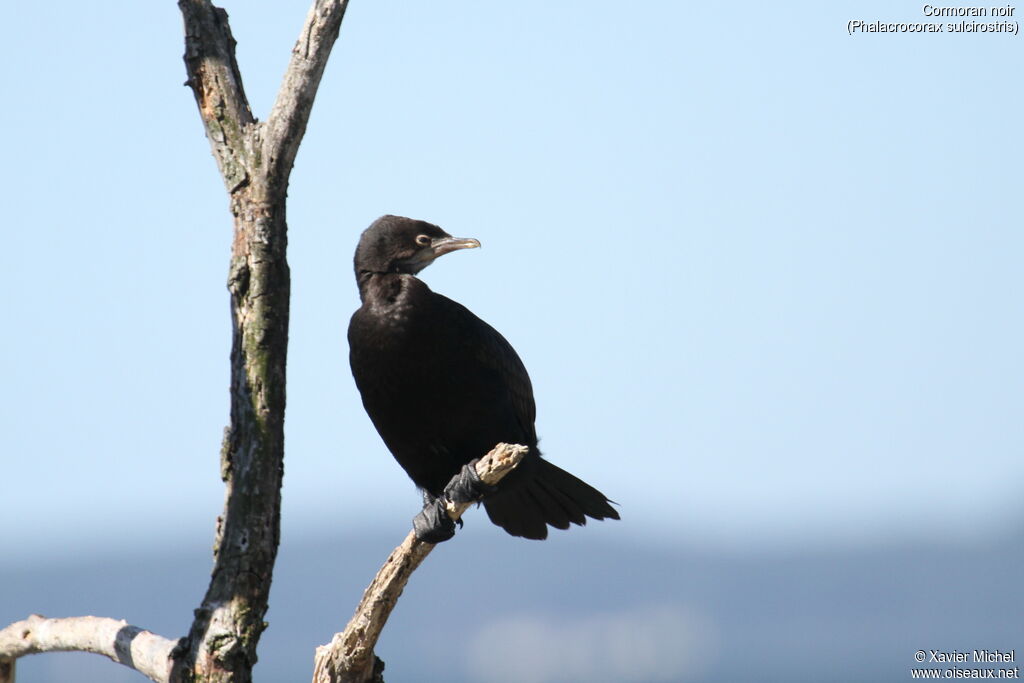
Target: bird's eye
{"type": "Point", "coordinates": [423, 240]}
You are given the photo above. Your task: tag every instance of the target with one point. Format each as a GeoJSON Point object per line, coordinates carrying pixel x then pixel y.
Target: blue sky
{"type": "Point", "coordinates": [765, 275]}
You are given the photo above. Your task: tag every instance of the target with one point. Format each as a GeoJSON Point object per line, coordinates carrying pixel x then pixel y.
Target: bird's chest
{"type": "Point", "coordinates": [394, 353]}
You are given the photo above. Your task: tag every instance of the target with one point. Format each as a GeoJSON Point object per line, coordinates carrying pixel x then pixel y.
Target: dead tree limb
{"type": "Point", "coordinates": [146, 652]}
{"type": "Point", "coordinates": [255, 161]}
{"type": "Point", "coordinates": [349, 657]}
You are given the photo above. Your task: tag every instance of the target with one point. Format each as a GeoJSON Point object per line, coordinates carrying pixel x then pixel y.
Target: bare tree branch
{"type": "Point", "coordinates": [146, 652]}
{"type": "Point", "coordinates": [217, 84]}
{"type": "Point", "coordinates": [287, 122]}
{"type": "Point", "coordinates": [349, 657]}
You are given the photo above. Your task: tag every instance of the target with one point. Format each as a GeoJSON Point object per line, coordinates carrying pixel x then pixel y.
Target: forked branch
{"type": "Point", "coordinates": [255, 161]}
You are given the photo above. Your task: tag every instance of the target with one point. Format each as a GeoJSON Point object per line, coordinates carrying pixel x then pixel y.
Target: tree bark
{"type": "Point", "coordinates": [255, 161]}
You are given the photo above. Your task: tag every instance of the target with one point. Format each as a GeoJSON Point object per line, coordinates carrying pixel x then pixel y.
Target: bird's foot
{"type": "Point", "coordinates": [466, 486]}
{"type": "Point", "coordinates": [432, 524]}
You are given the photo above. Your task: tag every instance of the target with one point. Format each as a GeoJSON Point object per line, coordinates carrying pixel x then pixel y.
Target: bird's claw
{"type": "Point", "coordinates": [466, 486]}
{"type": "Point", "coordinates": [432, 524]}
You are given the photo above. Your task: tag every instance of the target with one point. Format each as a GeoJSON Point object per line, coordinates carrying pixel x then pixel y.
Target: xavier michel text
{"type": "Point", "coordinates": [989, 656]}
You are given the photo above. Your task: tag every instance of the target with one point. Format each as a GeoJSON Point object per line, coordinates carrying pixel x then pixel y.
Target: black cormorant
{"type": "Point", "coordinates": [443, 387]}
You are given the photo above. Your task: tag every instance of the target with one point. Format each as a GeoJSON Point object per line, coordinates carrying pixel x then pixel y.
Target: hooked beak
{"type": "Point", "coordinates": [439, 246]}
{"type": "Point", "coordinates": [443, 245]}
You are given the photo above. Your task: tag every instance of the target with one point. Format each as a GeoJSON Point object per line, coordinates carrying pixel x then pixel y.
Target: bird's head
{"type": "Point", "coordinates": [393, 244]}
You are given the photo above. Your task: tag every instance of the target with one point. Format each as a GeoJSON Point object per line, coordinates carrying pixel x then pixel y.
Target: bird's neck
{"type": "Point", "coordinates": [384, 289]}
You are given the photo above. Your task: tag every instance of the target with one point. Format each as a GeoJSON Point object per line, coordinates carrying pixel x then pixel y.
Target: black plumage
{"type": "Point", "coordinates": [443, 387]}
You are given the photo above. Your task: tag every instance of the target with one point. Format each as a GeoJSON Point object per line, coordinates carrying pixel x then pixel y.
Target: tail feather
{"type": "Point", "coordinates": [550, 511]}
{"type": "Point", "coordinates": [572, 511]}
{"type": "Point", "coordinates": [543, 495]}
{"type": "Point", "coordinates": [516, 514]}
